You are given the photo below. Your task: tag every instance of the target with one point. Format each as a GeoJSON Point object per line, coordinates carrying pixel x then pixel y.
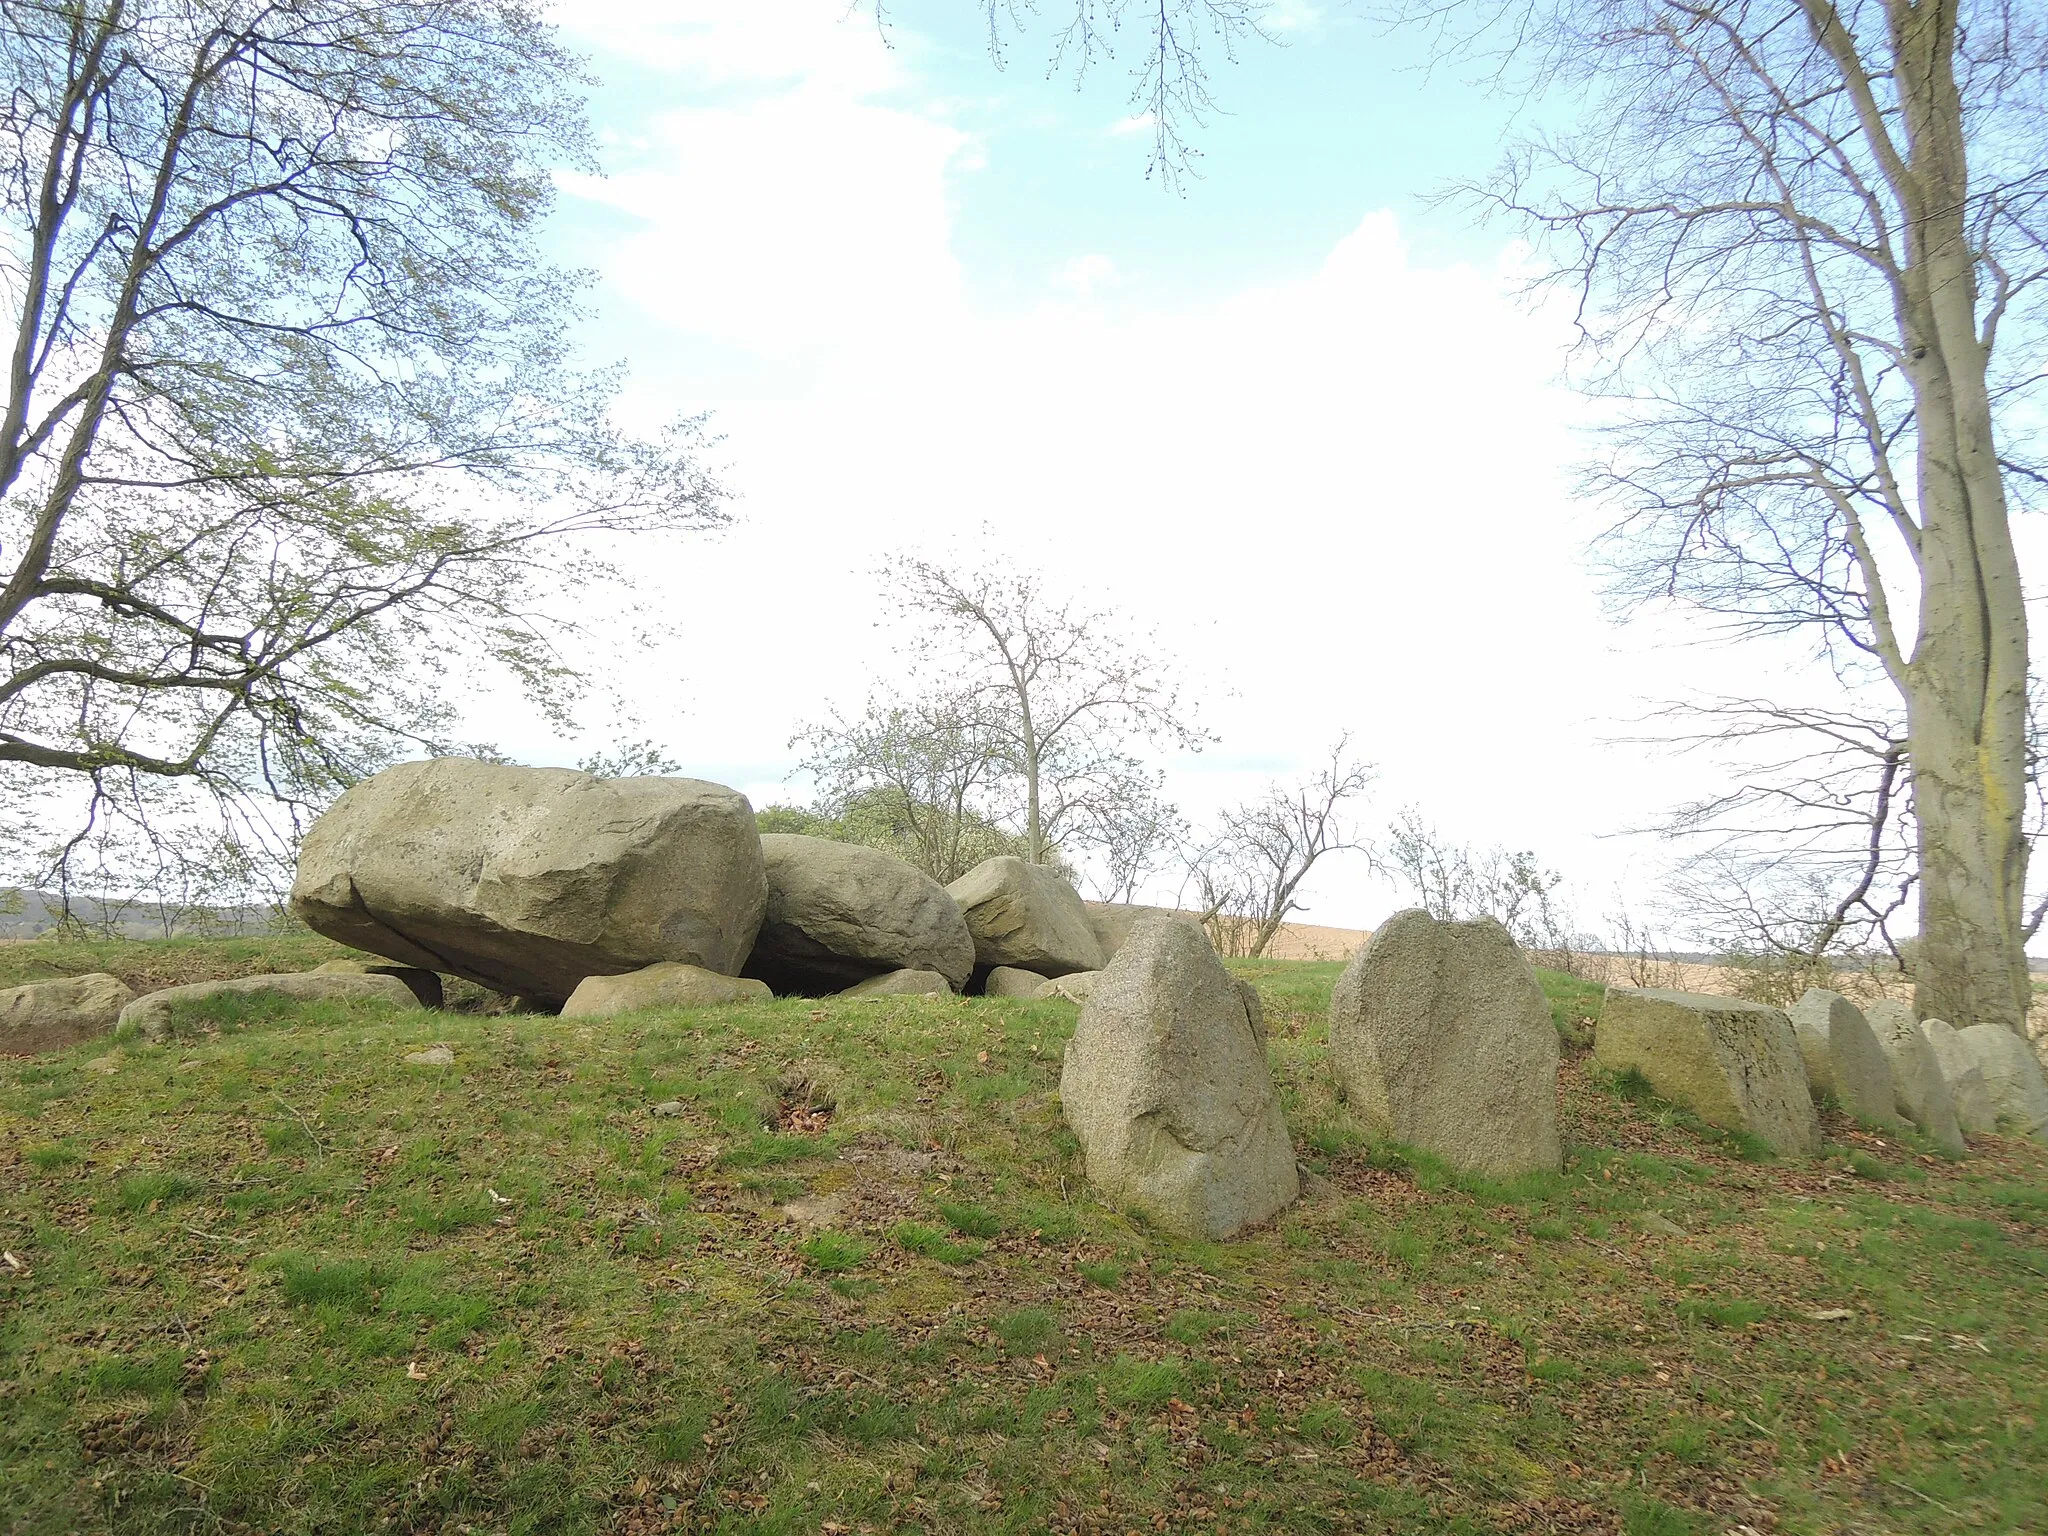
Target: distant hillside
{"type": "Point", "coordinates": [30, 914]}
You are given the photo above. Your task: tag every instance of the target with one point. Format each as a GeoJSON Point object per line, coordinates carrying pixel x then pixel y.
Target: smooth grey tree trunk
{"type": "Point", "coordinates": [1966, 683]}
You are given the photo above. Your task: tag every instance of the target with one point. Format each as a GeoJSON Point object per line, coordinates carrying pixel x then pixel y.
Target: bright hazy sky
{"type": "Point", "coordinates": [1295, 420]}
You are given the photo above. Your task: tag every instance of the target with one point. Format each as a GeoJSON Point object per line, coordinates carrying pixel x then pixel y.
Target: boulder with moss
{"type": "Point", "coordinates": [1734, 1063]}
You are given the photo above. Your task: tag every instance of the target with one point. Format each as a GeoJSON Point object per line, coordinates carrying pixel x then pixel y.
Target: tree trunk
{"type": "Point", "coordinates": [1267, 929]}
{"type": "Point", "coordinates": [1966, 704]}
{"type": "Point", "coordinates": [1966, 684]}
{"type": "Point", "coordinates": [1034, 832]}
{"type": "Point", "coordinates": [1972, 964]}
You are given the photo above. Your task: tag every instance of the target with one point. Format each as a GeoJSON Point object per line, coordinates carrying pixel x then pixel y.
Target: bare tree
{"type": "Point", "coordinates": [1133, 836]}
{"type": "Point", "coordinates": [1807, 858]}
{"type": "Point", "coordinates": [1808, 242]}
{"type": "Point", "coordinates": [1248, 874]}
{"type": "Point", "coordinates": [1058, 692]}
{"type": "Point", "coordinates": [291, 425]}
{"type": "Point", "coordinates": [930, 764]}
{"type": "Point", "coordinates": [1633, 955]}
{"type": "Point", "coordinates": [1455, 880]}
{"type": "Point", "coordinates": [1807, 863]}
{"type": "Point", "coordinates": [1171, 93]}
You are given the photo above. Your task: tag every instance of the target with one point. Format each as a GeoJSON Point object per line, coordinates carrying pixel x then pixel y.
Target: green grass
{"type": "Point", "coordinates": [916, 1237]}
{"type": "Point", "coordinates": [147, 966]}
{"type": "Point", "coordinates": [271, 1279]}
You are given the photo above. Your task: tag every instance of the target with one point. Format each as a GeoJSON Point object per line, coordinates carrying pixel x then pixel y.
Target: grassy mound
{"type": "Point", "coordinates": [150, 967]}
{"type": "Point", "coordinates": [832, 1267]}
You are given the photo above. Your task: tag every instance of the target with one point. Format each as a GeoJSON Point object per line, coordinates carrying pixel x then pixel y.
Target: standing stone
{"type": "Point", "coordinates": [1734, 1063]}
{"type": "Point", "coordinates": [1843, 1056]}
{"type": "Point", "coordinates": [1254, 1006]}
{"type": "Point", "coordinates": [150, 1015]}
{"type": "Point", "coordinates": [839, 913]}
{"type": "Point", "coordinates": [1442, 1040]}
{"type": "Point", "coordinates": [667, 985]}
{"type": "Point", "coordinates": [1168, 1089]}
{"type": "Point", "coordinates": [2012, 1076]}
{"type": "Point", "coordinates": [1964, 1074]}
{"type": "Point", "coordinates": [1919, 1089]}
{"type": "Point", "coordinates": [1009, 981]}
{"type": "Point", "coordinates": [1025, 915]}
{"type": "Point", "coordinates": [527, 880]}
{"type": "Point", "coordinates": [425, 985]}
{"type": "Point", "coordinates": [49, 1015]}
{"type": "Point", "coordinates": [902, 984]}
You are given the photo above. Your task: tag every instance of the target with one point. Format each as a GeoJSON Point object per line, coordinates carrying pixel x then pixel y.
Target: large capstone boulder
{"type": "Point", "coordinates": [49, 1015]}
{"type": "Point", "coordinates": [1918, 1088]}
{"type": "Point", "coordinates": [1025, 915]}
{"type": "Point", "coordinates": [527, 880]}
{"type": "Point", "coordinates": [1112, 921]}
{"type": "Point", "coordinates": [1843, 1057]}
{"type": "Point", "coordinates": [1167, 1086]}
{"type": "Point", "coordinates": [2012, 1076]}
{"type": "Point", "coordinates": [666, 985]}
{"type": "Point", "coordinates": [1441, 1039]}
{"type": "Point", "coordinates": [1734, 1063]}
{"type": "Point", "coordinates": [1964, 1074]}
{"type": "Point", "coordinates": [151, 1014]}
{"type": "Point", "coordinates": [839, 913]}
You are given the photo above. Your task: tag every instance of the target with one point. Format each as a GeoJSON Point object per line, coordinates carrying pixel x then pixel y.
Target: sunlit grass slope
{"type": "Point", "coordinates": [833, 1267]}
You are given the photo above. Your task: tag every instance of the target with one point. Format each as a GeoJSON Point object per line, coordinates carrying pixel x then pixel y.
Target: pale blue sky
{"type": "Point", "coordinates": [1335, 116]}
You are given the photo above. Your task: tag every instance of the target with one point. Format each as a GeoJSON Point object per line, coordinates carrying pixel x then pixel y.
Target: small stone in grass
{"type": "Point", "coordinates": [1832, 1315]}
{"type": "Point", "coordinates": [667, 1108]}
{"type": "Point", "coordinates": [1663, 1226]}
{"type": "Point", "coordinates": [432, 1056]}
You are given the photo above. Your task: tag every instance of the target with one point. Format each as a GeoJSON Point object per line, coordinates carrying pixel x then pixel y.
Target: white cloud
{"type": "Point", "coordinates": [1339, 498]}
{"type": "Point", "coordinates": [1291, 16]}
{"type": "Point", "coordinates": [718, 43]}
{"type": "Point", "coordinates": [1083, 275]}
{"type": "Point", "coordinates": [1125, 126]}
{"type": "Point", "coordinates": [794, 214]}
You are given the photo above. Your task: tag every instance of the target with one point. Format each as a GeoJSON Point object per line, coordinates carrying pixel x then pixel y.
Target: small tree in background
{"type": "Point", "coordinates": [1248, 874]}
{"type": "Point", "coordinates": [1455, 881]}
{"type": "Point", "coordinates": [1024, 709]}
{"type": "Point", "coordinates": [916, 778]}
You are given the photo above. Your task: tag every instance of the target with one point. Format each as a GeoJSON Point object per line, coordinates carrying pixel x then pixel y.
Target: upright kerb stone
{"type": "Point", "coordinates": [1441, 1039]}
{"type": "Point", "coordinates": [1964, 1074]}
{"type": "Point", "coordinates": [1734, 1063]}
{"type": "Point", "coordinates": [1843, 1056]}
{"type": "Point", "coordinates": [1918, 1086]}
{"type": "Point", "coordinates": [2012, 1076]}
{"type": "Point", "coordinates": [1167, 1087]}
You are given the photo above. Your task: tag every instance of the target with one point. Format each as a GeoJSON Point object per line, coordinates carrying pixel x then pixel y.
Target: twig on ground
{"type": "Point", "coordinates": [1930, 1498]}
{"type": "Point", "coordinates": [304, 1124]}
